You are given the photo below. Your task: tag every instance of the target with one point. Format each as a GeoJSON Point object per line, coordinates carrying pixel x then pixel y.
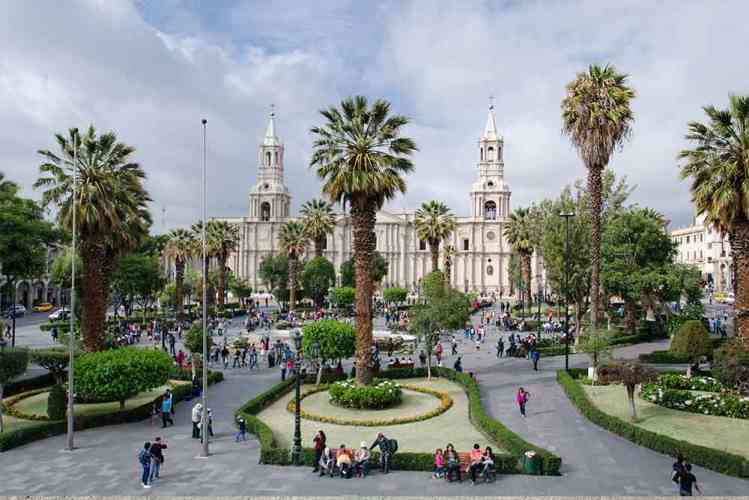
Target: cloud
{"type": "Point", "coordinates": [152, 70]}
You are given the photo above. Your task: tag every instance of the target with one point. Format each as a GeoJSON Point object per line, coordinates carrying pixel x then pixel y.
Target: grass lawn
{"type": "Point", "coordinates": [453, 426]}
{"type": "Point", "coordinates": [37, 404]}
{"type": "Point", "coordinates": [723, 433]}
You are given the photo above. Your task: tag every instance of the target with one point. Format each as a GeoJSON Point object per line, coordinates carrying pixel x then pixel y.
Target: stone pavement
{"type": "Point", "coordinates": [595, 461]}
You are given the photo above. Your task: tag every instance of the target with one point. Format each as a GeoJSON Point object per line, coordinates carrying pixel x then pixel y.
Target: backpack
{"type": "Point", "coordinates": [144, 457]}
{"type": "Point", "coordinates": [393, 445]}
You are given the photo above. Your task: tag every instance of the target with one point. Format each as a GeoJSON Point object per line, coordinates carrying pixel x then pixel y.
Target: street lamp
{"type": "Point", "coordinates": [71, 333]}
{"type": "Point", "coordinates": [296, 450]}
{"type": "Point", "coordinates": [204, 417]}
{"type": "Point", "coordinates": [540, 297]}
{"type": "Point", "coordinates": [567, 216]}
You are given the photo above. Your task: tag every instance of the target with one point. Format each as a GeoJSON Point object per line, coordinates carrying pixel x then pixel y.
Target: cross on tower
{"type": "Point", "coordinates": [491, 102]}
{"type": "Point", "coordinates": [273, 110]}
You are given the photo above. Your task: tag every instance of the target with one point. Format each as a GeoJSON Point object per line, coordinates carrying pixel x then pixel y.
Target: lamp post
{"type": "Point", "coordinates": [567, 216]}
{"type": "Point", "coordinates": [540, 297]}
{"type": "Point", "coordinates": [71, 333]}
{"type": "Point", "coordinates": [296, 450]}
{"type": "Point", "coordinates": [204, 418]}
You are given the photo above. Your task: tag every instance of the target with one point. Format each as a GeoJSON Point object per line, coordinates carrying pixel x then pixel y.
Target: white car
{"type": "Point", "coordinates": [730, 299]}
{"type": "Point", "coordinates": [60, 314]}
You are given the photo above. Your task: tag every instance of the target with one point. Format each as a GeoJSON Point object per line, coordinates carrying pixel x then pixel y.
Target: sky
{"type": "Point", "coordinates": [150, 70]}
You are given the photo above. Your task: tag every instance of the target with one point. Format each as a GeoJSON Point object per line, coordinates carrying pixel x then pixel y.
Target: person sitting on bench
{"type": "Point", "coordinates": [343, 462]}
{"type": "Point", "coordinates": [327, 464]}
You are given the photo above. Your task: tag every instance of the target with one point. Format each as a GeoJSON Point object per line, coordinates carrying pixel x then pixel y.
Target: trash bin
{"type": "Point", "coordinates": [531, 463]}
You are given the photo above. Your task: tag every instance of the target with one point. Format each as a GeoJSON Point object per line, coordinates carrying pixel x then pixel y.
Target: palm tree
{"type": "Point", "coordinates": [361, 157]}
{"type": "Point", "coordinates": [519, 234]}
{"type": "Point", "coordinates": [7, 188]}
{"type": "Point", "coordinates": [110, 207]}
{"type": "Point", "coordinates": [597, 117]}
{"type": "Point", "coordinates": [293, 240]}
{"type": "Point", "coordinates": [434, 222]}
{"type": "Point", "coordinates": [223, 237]}
{"type": "Point", "coordinates": [180, 248]}
{"type": "Point", "coordinates": [448, 256]}
{"type": "Point", "coordinates": [719, 169]}
{"type": "Point", "coordinates": [319, 221]}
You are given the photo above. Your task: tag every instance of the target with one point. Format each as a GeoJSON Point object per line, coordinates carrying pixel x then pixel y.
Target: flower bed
{"type": "Point", "coordinates": [383, 394]}
{"type": "Point", "coordinates": [676, 392]}
{"type": "Point", "coordinates": [446, 403]}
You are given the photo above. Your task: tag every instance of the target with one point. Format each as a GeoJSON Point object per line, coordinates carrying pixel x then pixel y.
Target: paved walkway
{"type": "Point", "coordinates": [595, 461]}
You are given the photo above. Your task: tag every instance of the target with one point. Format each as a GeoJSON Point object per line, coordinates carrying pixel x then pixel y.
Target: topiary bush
{"type": "Point", "coordinates": [382, 394]}
{"type": "Point", "coordinates": [54, 360]}
{"type": "Point", "coordinates": [119, 374]}
{"type": "Point", "coordinates": [337, 339]}
{"type": "Point", "coordinates": [193, 340]}
{"type": "Point", "coordinates": [692, 341]}
{"type": "Point", "coordinates": [731, 365]}
{"type": "Point", "coordinates": [56, 403]}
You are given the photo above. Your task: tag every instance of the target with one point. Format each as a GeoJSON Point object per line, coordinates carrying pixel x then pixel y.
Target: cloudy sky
{"type": "Point", "coordinates": [151, 69]}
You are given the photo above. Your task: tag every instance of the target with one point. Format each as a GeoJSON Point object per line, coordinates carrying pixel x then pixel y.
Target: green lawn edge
{"type": "Point", "coordinates": [272, 453]}
{"type": "Point", "coordinates": [710, 458]}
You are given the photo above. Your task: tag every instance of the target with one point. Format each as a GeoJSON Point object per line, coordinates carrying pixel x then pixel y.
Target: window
{"type": "Point", "coordinates": [490, 184]}
{"type": "Point", "coordinates": [482, 154]}
{"type": "Point", "coordinates": [267, 158]}
{"type": "Point", "coordinates": [490, 210]}
{"type": "Point", "coordinates": [490, 235]}
{"type": "Point", "coordinates": [489, 270]}
{"type": "Point", "coordinates": [490, 153]}
{"type": "Point", "coordinates": [422, 245]}
{"type": "Point", "coordinates": [687, 239]}
{"type": "Point", "coordinates": [265, 210]}
{"type": "Point", "coordinates": [324, 243]}
{"type": "Point", "coordinates": [465, 244]}
{"type": "Point", "coordinates": [276, 157]}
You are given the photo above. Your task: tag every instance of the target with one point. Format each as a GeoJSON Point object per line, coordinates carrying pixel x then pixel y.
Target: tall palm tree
{"type": "Point", "coordinates": [224, 237]}
{"type": "Point", "coordinates": [434, 222]}
{"type": "Point", "coordinates": [319, 221]}
{"type": "Point", "coordinates": [361, 157]}
{"type": "Point", "coordinates": [111, 212]}
{"type": "Point", "coordinates": [448, 256]}
{"type": "Point", "coordinates": [519, 234]}
{"type": "Point", "coordinates": [718, 166]}
{"type": "Point", "coordinates": [293, 240]}
{"type": "Point", "coordinates": [597, 117]}
{"type": "Point", "coordinates": [180, 248]}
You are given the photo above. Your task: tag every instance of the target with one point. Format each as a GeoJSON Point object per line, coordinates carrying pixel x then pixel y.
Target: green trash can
{"type": "Point", "coordinates": [531, 463]}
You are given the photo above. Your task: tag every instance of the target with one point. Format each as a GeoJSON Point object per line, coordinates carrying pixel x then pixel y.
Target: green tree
{"type": "Point", "coordinates": [361, 157]}
{"type": "Point", "coordinates": [293, 241]}
{"type": "Point", "coordinates": [13, 363]}
{"type": "Point", "coordinates": [274, 271]}
{"type": "Point", "coordinates": [343, 296]}
{"type": "Point", "coordinates": [319, 221]}
{"type": "Point", "coordinates": [193, 340]}
{"type": "Point", "coordinates": [395, 295]}
{"type": "Point", "coordinates": [597, 117]}
{"type": "Point", "coordinates": [137, 279]}
{"type": "Point", "coordinates": [519, 233]}
{"type": "Point", "coordinates": [224, 237]}
{"type": "Point", "coordinates": [630, 374]}
{"type": "Point", "coordinates": [111, 209]}
{"type": "Point", "coordinates": [55, 361]}
{"type": "Point", "coordinates": [515, 273]}
{"type": "Point", "coordinates": [692, 341]}
{"type": "Point", "coordinates": [336, 339]}
{"type": "Point", "coordinates": [24, 239]}
{"type": "Point", "coordinates": [240, 288]}
{"type": "Point", "coordinates": [434, 222]}
{"type": "Point", "coordinates": [718, 166]}
{"type": "Point", "coordinates": [179, 248]}
{"type": "Point", "coordinates": [377, 271]}
{"type": "Point", "coordinates": [317, 278]}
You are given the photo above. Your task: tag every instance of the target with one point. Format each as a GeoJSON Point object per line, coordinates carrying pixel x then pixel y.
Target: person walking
{"type": "Point", "coordinates": [242, 430]}
{"type": "Point", "coordinates": [197, 414]}
{"type": "Point", "coordinates": [677, 469]}
{"type": "Point", "coordinates": [319, 442]}
{"type": "Point", "coordinates": [686, 481]}
{"type": "Point", "coordinates": [144, 457]}
{"type": "Point", "coordinates": [500, 347]}
{"type": "Point", "coordinates": [535, 356]}
{"type": "Point", "coordinates": [522, 399]}
{"type": "Point", "coordinates": [157, 457]}
{"type": "Point", "coordinates": [167, 401]}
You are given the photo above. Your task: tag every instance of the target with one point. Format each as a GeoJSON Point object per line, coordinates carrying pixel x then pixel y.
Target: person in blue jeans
{"type": "Point", "coordinates": [144, 457]}
{"type": "Point", "coordinates": [242, 432]}
{"type": "Point", "coordinates": [157, 457]}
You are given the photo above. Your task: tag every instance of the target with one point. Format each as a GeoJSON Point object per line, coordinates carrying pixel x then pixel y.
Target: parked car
{"type": "Point", "coordinates": [61, 314]}
{"type": "Point", "coordinates": [16, 311]}
{"type": "Point", "coordinates": [43, 307]}
{"type": "Point", "coordinates": [730, 299]}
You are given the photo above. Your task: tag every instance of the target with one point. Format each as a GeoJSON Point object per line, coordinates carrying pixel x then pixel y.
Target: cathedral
{"type": "Point", "coordinates": [482, 254]}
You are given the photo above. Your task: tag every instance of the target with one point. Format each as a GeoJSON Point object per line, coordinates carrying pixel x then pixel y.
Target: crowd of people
{"type": "Point", "coordinates": [346, 463]}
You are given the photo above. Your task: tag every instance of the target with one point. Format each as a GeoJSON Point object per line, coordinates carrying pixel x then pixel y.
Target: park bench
{"type": "Point", "coordinates": [334, 455]}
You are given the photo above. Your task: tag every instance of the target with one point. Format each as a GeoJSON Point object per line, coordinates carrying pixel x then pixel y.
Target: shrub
{"type": "Point", "coordinates": [678, 381]}
{"type": "Point", "coordinates": [13, 363]}
{"type": "Point", "coordinates": [193, 339]}
{"type": "Point", "coordinates": [382, 394]}
{"type": "Point", "coordinates": [119, 374]}
{"type": "Point", "coordinates": [54, 361]}
{"type": "Point", "coordinates": [721, 405]}
{"type": "Point", "coordinates": [395, 294]}
{"type": "Point", "coordinates": [691, 341]}
{"type": "Point", "coordinates": [337, 339]}
{"type": "Point", "coordinates": [343, 296]}
{"type": "Point", "coordinates": [56, 403]}
{"type": "Point", "coordinates": [731, 365]}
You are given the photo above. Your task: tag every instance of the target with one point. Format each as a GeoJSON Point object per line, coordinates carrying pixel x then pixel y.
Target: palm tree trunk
{"type": "Point", "coordinates": [292, 282]}
{"type": "Point", "coordinates": [594, 191]}
{"type": "Point", "coordinates": [179, 283]}
{"type": "Point", "coordinates": [740, 251]}
{"type": "Point", "coordinates": [319, 242]}
{"type": "Point", "coordinates": [221, 280]}
{"type": "Point", "coordinates": [525, 261]}
{"type": "Point", "coordinates": [629, 317]}
{"type": "Point", "coordinates": [434, 248]}
{"type": "Point", "coordinates": [94, 294]}
{"type": "Point", "coordinates": [363, 221]}
{"type": "Point", "coordinates": [631, 398]}
{"type": "Point", "coordinates": [448, 272]}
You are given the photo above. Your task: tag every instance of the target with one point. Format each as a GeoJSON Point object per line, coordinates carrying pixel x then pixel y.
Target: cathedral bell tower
{"type": "Point", "coordinates": [269, 198]}
{"type": "Point", "coordinates": [490, 196]}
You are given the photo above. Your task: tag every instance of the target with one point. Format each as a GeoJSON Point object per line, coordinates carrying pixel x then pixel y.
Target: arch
{"type": "Point", "coordinates": [482, 154]}
{"type": "Point", "coordinates": [490, 153]}
{"type": "Point", "coordinates": [265, 211]}
{"type": "Point", "coordinates": [490, 210]}
{"type": "Point", "coordinates": [267, 158]}
{"type": "Point", "coordinates": [276, 158]}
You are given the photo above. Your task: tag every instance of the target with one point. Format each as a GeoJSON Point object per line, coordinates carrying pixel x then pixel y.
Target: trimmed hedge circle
{"type": "Point", "coordinates": [382, 394]}
{"type": "Point", "coordinates": [446, 402]}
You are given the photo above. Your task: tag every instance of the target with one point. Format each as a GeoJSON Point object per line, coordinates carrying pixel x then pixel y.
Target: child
{"type": "Point", "coordinates": [439, 464]}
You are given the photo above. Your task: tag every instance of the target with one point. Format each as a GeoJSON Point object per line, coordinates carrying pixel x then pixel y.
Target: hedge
{"type": "Point", "coordinates": [271, 453]}
{"type": "Point", "coordinates": [43, 430]}
{"type": "Point", "coordinates": [662, 358]}
{"type": "Point", "coordinates": [710, 458]}
{"type": "Point", "coordinates": [28, 384]}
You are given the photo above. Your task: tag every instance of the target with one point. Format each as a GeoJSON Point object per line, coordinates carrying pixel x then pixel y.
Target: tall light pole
{"type": "Point", "coordinates": [204, 418]}
{"type": "Point", "coordinates": [71, 334]}
{"type": "Point", "coordinates": [567, 216]}
{"type": "Point", "coordinates": [296, 450]}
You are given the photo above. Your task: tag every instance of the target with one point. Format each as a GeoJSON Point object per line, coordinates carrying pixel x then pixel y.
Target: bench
{"type": "Point", "coordinates": [334, 456]}
{"type": "Point", "coordinates": [464, 459]}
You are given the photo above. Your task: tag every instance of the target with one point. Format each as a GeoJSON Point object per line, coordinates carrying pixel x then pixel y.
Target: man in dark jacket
{"type": "Point", "coordinates": [385, 452]}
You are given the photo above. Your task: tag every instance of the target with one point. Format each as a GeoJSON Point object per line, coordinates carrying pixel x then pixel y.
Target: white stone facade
{"type": "Point", "coordinates": [482, 253]}
{"type": "Point", "coordinates": [706, 249]}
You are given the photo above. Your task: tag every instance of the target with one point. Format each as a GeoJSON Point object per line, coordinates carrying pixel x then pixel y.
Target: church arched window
{"type": "Point", "coordinates": [267, 158]}
{"type": "Point", "coordinates": [490, 210]}
{"type": "Point", "coordinates": [265, 210]}
{"type": "Point", "coordinates": [482, 154]}
{"type": "Point", "coordinates": [276, 158]}
{"type": "Point", "coordinates": [490, 153]}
